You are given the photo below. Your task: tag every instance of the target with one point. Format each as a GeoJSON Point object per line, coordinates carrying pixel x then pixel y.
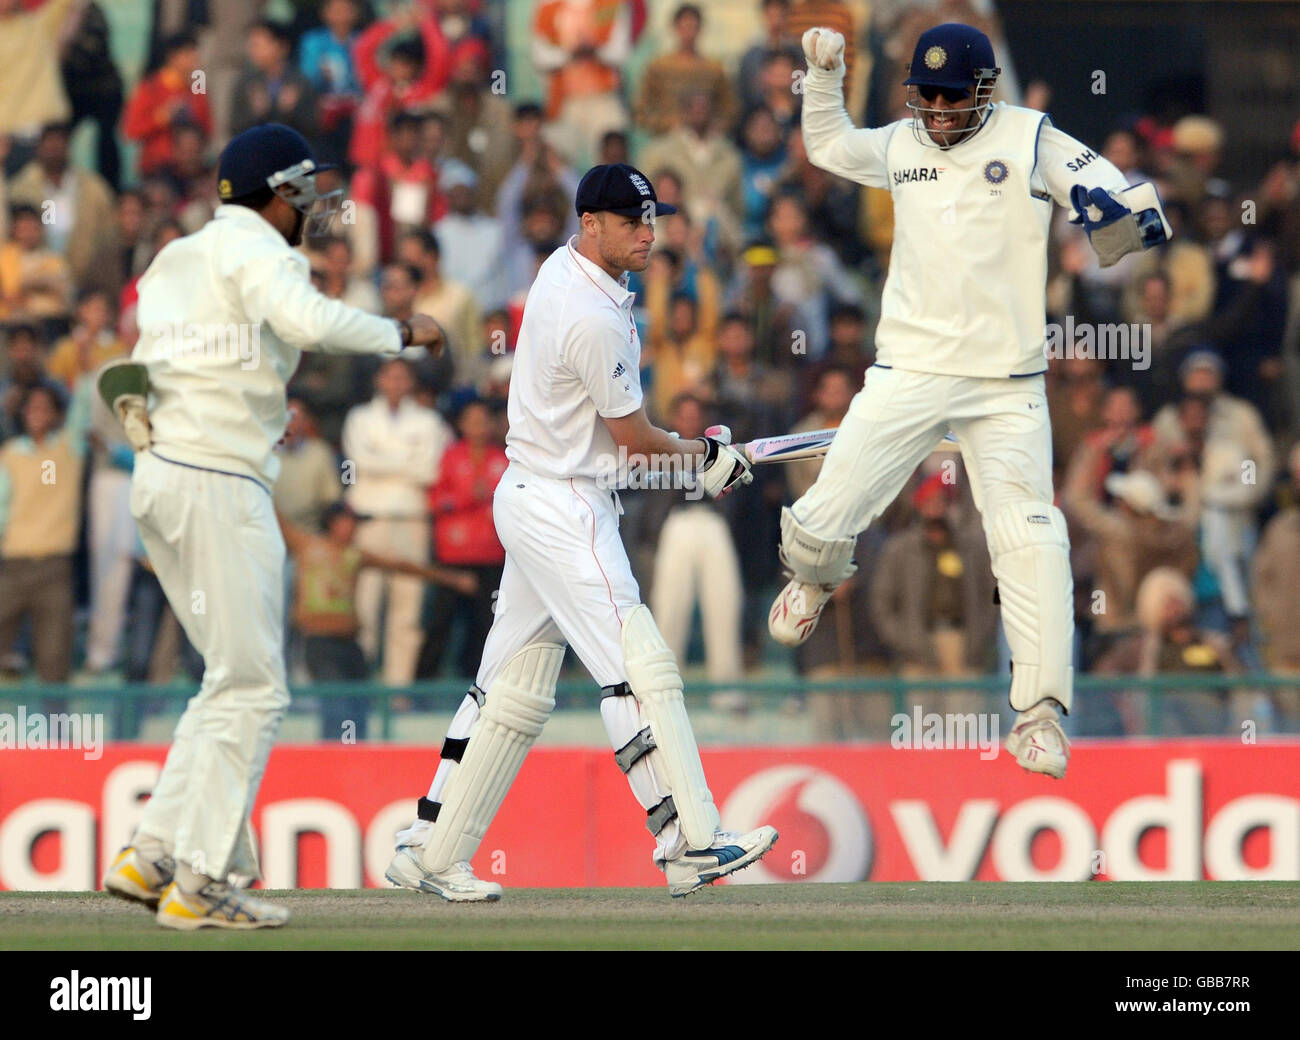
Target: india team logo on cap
{"type": "Point", "coordinates": [223, 188]}
{"type": "Point", "coordinates": [995, 171]}
{"type": "Point", "coordinates": [936, 58]}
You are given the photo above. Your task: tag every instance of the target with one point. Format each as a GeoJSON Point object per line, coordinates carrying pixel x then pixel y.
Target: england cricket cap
{"type": "Point", "coordinates": [618, 188]}
{"type": "Point", "coordinates": [950, 55]}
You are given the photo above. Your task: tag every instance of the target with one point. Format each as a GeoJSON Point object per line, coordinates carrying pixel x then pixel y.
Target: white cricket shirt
{"type": "Point", "coordinates": [224, 315]}
{"type": "Point", "coordinates": [578, 358]}
{"type": "Point", "coordinates": [966, 290]}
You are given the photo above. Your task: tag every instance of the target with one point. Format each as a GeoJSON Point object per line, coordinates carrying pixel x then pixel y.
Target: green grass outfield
{"type": "Point", "coordinates": [900, 916]}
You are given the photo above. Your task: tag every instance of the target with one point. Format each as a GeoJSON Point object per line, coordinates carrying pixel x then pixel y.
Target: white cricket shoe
{"type": "Point", "coordinates": [729, 853]}
{"type": "Point", "coordinates": [456, 884]}
{"type": "Point", "coordinates": [1038, 742]}
{"type": "Point", "coordinates": [216, 905]}
{"type": "Point", "coordinates": [795, 612]}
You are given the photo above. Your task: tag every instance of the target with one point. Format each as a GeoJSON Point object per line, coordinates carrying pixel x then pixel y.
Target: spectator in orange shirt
{"type": "Point", "coordinates": [92, 343]}
{"type": "Point", "coordinates": [580, 46]}
{"type": "Point", "coordinates": [465, 537]}
{"type": "Point", "coordinates": [166, 100]}
{"type": "Point", "coordinates": [35, 282]}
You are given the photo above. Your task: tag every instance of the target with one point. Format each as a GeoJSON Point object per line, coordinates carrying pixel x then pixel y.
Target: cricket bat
{"type": "Point", "coordinates": [812, 444]}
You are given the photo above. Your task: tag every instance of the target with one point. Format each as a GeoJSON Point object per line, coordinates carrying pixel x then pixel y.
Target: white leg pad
{"type": "Point", "coordinates": [814, 560]}
{"type": "Point", "coordinates": [515, 708]}
{"type": "Point", "coordinates": [657, 685]}
{"type": "Point", "coordinates": [1030, 551]}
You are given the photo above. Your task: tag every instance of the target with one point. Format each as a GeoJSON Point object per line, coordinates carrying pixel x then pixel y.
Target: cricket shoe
{"type": "Point", "coordinates": [795, 612]}
{"type": "Point", "coordinates": [142, 880]}
{"type": "Point", "coordinates": [456, 884]}
{"type": "Point", "coordinates": [729, 853]}
{"type": "Point", "coordinates": [217, 905]}
{"type": "Point", "coordinates": [1038, 742]}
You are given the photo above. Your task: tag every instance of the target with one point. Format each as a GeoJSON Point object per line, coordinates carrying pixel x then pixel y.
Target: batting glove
{"type": "Point", "coordinates": [823, 49]}
{"type": "Point", "coordinates": [723, 468]}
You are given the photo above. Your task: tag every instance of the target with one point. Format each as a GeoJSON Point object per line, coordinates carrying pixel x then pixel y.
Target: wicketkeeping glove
{"type": "Point", "coordinates": [823, 49]}
{"type": "Point", "coordinates": [1114, 233]}
{"type": "Point", "coordinates": [723, 468]}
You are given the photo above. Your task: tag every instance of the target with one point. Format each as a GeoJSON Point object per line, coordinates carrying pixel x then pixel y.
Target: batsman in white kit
{"type": "Point", "coordinates": [961, 345]}
{"type": "Point", "coordinates": [224, 314]}
{"type": "Point", "coordinates": [575, 401]}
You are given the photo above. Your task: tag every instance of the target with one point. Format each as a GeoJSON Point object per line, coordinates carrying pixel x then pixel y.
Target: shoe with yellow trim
{"type": "Point", "coordinates": [217, 905]}
{"type": "Point", "coordinates": [142, 880]}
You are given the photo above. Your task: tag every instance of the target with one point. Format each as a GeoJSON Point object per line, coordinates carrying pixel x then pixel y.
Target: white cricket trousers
{"type": "Point", "coordinates": [567, 579]}
{"type": "Point", "coordinates": [696, 559]}
{"type": "Point", "coordinates": [214, 543]}
{"type": "Point", "coordinates": [897, 419]}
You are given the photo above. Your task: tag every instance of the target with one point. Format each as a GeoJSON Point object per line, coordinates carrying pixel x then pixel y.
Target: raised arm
{"type": "Point", "coordinates": [831, 140]}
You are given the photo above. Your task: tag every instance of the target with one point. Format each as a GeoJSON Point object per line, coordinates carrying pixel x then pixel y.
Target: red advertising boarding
{"type": "Point", "coordinates": [1167, 810]}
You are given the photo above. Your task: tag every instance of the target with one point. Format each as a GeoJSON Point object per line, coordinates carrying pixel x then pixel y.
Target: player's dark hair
{"type": "Point", "coordinates": [24, 209]}
{"type": "Point", "coordinates": [528, 110]}
{"type": "Point", "coordinates": [732, 317]}
{"type": "Point", "coordinates": [684, 10]}
{"type": "Point", "coordinates": [258, 200]}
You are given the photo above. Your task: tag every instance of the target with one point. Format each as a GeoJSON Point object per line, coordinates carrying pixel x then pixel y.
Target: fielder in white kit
{"type": "Point", "coordinates": [224, 314]}
{"type": "Point", "coordinates": [960, 345]}
{"type": "Point", "coordinates": [575, 402]}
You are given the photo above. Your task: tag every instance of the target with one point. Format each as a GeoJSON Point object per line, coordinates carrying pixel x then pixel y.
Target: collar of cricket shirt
{"type": "Point", "coordinates": [616, 290]}
{"type": "Point", "coordinates": [247, 217]}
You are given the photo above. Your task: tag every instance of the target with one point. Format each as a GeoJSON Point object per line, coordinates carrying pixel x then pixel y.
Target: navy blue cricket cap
{"type": "Point", "coordinates": [618, 188]}
{"type": "Point", "coordinates": [950, 55]}
{"type": "Point", "coordinates": [258, 153]}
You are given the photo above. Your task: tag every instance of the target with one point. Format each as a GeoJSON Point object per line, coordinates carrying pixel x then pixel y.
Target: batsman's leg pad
{"type": "Point", "coordinates": [515, 708]}
{"type": "Point", "coordinates": [1030, 551]}
{"type": "Point", "coordinates": [815, 560]}
{"type": "Point", "coordinates": [657, 685]}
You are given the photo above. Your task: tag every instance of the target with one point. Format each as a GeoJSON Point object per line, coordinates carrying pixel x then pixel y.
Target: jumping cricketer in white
{"type": "Point", "coordinates": [575, 406]}
{"type": "Point", "coordinates": [960, 345]}
{"type": "Point", "coordinates": [224, 314]}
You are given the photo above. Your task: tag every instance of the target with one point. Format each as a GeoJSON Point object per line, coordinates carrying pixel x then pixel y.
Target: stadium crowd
{"type": "Point", "coordinates": [1177, 463]}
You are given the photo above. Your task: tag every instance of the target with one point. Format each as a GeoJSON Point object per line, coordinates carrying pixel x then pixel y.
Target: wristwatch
{"type": "Point", "coordinates": [404, 327]}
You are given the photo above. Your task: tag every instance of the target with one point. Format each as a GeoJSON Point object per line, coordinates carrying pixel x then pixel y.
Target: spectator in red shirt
{"type": "Point", "coordinates": [416, 70]}
{"type": "Point", "coordinates": [399, 193]}
{"type": "Point", "coordinates": [464, 535]}
{"type": "Point", "coordinates": [165, 100]}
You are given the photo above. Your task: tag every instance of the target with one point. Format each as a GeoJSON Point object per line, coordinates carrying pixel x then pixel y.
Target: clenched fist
{"type": "Point", "coordinates": [824, 49]}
